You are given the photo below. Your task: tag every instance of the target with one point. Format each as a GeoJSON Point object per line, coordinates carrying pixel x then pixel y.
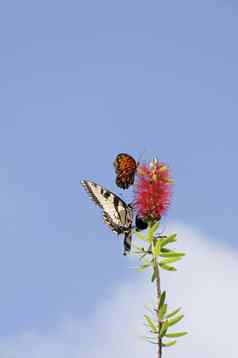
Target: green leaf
{"type": "Point", "coordinates": [151, 324]}
{"type": "Point", "coordinates": [175, 334]}
{"type": "Point", "coordinates": [172, 254]}
{"type": "Point", "coordinates": [150, 233]}
{"type": "Point", "coordinates": [162, 311]}
{"type": "Point", "coordinates": [169, 344]}
{"type": "Point", "coordinates": [138, 250]}
{"type": "Point", "coordinates": [142, 267]}
{"type": "Point", "coordinates": [149, 249]}
{"type": "Point", "coordinates": [175, 320]}
{"type": "Point", "coordinates": [147, 262]}
{"type": "Point", "coordinates": [155, 226]}
{"type": "Point", "coordinates": [164, 250]}
{"type": "Point", "coordinates": [173, 313]}
{"type": "Point", "coordinates": [168, 240]}
{"type": "Point", "coordinates": [167, 267]}
{"type": "Point", "coordinates": [143, 256]}
{"type": "Point", "coordinates": [139, 235]}
{"type": "Point", "coordinates": [162, 299]}
{"type": "Point", "coordinates": [153, 277]}
{"type": "Point", "coordinates": [163, 328]}
{"type": "Point", "coordinates": [150, 340]}
{"type": "Point", "coordinates": [169, 260]}
{"type": "Point", "coordinates": [156, 248]}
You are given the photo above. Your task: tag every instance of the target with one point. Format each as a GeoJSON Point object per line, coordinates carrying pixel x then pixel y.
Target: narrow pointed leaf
{"type": "Point", "coordinates": [147, 262]}
{"type": "Point", "coordinates": [168, 240]}
{"type": "Point", "coordinates": [162, 311]}
{"type": "Point", "coordinates": [139, 235]}
{"type": "Point", "coordinates": [142, 267]}
{"type": "Point", "coordinates": [150, 233]}
{"type": "Point", "coordinates": [164, 250]}
{"type": "Point", "coordinates": [175, 320]}
{"type": "Point", "coordinates": [154, 227]}
{"type": "Point", "coordinates": [149, 249]}
{"type": "Point", "coordinates": [162, 299]}
{"type": "Point", "coordinates": [169, 344]}
{"type": "Point", "coordinates": [145, 265]}
{"type": "Point", "coordinates": [172, 254]}
{"type": "Point", "coordinates": [175, 334]}
{"type": "Point", "coordinates": [169, 260]}
{"type": "Point", "coordinates": [173, 313]}
{"type": "Point", "coordinates": [156, 248]}
{"type": "Point", "coordinates": [167, 267]}
{"type": "Point", "coordinates": [153, 277]}
{"type": "Point", "coordinates": [143, 256]}
{"type": "Point", "coordinates": [163, 328]}
{"type": "Point", "coordinates": [150, 340]}
{"type": "Point", "coordinates": [151, 324]}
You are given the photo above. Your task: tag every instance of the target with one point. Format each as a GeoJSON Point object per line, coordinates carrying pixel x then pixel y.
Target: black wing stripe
{"type": "Point", "coordinates": [122, 210]}
{"type": "Point", "coordinates": [113, 226]}
{"type": "Point", "coordinates": [116, 204]}
{"type": "Point", "coordinates": [116, 213]}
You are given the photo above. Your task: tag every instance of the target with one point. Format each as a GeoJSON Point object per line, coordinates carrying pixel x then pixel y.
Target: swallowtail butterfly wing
{"type": "Point", "coordinates": [116, 213]}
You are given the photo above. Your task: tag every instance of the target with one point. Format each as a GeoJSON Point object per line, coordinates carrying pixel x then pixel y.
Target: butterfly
{"type": "Point", "coordinates": [116, 213]}
{"type": "Point", "coordinates": [125, 167]}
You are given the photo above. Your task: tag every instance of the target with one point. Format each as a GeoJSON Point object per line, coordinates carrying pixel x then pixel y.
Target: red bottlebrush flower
{"type": "Point", "coordinates": [152, 190]}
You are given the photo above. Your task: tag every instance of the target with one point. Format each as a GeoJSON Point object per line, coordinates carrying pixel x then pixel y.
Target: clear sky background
{"type": "Point", "coordinates": [81, 81]}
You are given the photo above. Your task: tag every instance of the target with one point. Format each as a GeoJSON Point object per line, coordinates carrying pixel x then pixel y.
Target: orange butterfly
{"type": "Point", "coordinates": [125, 167]}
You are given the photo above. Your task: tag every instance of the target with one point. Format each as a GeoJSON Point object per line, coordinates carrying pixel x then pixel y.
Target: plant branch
{"type": "Point", "coordinates": [158, 292]}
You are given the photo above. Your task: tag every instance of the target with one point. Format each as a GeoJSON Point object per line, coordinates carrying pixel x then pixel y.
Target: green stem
{"type": "Point", "coordinates": [158, 292]}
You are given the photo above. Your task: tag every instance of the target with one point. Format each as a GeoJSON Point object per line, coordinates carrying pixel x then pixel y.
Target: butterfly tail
{"type": "Point", "coordinates": [127, 242]}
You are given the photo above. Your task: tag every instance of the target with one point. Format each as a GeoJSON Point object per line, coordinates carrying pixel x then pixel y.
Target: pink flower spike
{"type": "Point", "coordinates": [152, 190]}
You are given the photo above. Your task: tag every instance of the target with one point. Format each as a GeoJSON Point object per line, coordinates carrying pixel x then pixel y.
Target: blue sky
{"type": "Point", "coordinates": [81, 82]}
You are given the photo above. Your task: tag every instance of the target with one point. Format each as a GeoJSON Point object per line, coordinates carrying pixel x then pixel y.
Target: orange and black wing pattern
{"type": "Point", "coordinates": [125, 167]}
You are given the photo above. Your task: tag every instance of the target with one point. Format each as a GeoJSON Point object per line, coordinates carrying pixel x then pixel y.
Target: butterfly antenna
{"type": "Point", "coordinates": [141, 156]}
